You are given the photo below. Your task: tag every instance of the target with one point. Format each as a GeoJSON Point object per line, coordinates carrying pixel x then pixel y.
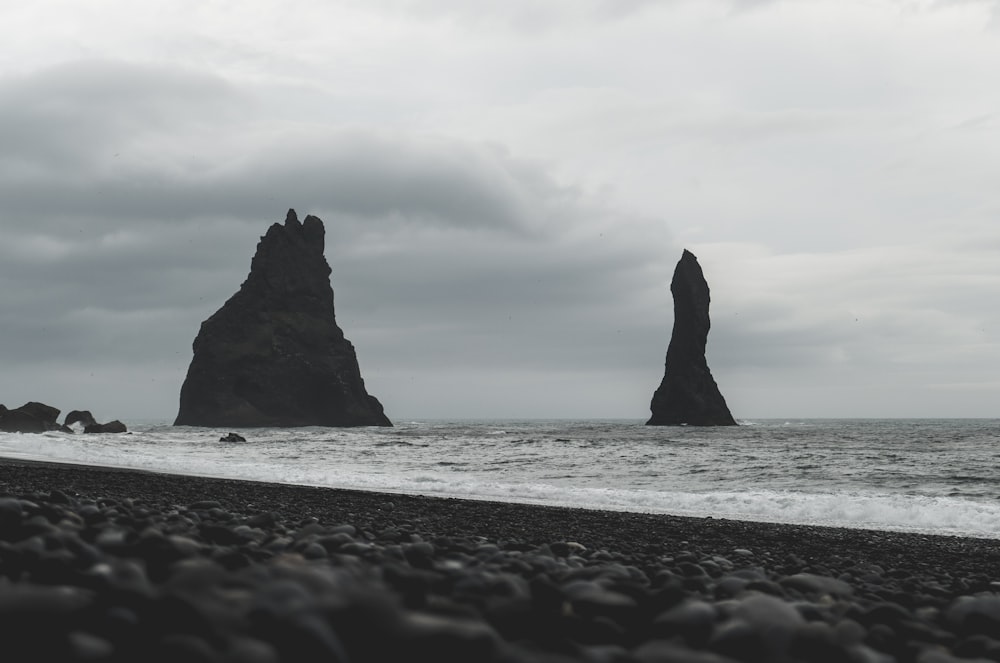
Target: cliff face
{"type": "Point", "coordinates": [273, 355]}
{"type": "Point", "coordinates": [688, 393]}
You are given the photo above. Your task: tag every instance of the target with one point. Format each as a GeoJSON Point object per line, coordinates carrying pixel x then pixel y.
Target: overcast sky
{"type": "Point", "coordinates": [506, 188]}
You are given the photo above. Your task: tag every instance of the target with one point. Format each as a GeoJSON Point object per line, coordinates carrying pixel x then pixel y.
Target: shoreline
{"type": "Point", "coordinates": [901, 530]}
{"type": "Point", "coordinates": [599, 527]}
{"type": "Point", "coordinates": [128, 564]}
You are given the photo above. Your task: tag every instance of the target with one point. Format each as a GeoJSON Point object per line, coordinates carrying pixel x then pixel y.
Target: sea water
{"type": "Point", "coordinates": [930, 476]}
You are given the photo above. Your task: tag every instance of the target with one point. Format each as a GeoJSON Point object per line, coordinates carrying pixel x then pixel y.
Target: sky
{"type": "Point", "coordinates": [506, 189]}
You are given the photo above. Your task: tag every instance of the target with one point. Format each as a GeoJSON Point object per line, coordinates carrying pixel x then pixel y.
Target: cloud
{"type": "Point", "coordinates": [539, 17]}
{"type": "Point", "coordinates": [177, 146]}
{"type": "Point", "coordinates": [506, 189]}
{"type": "Point", "coordinates": [481, 260]}
{"type": "Point", "coordinates": [523, 15]}
{"type": "Point", "coordinates": [860, 332]}
{"type": "Point", "coordinates": [82, 113]}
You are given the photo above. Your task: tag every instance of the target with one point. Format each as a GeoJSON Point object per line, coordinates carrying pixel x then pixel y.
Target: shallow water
{"type": "Point", "coordinates": [937, 476]}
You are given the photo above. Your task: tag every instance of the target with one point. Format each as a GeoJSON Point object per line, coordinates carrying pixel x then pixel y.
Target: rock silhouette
{"type": "Point", "coordinates": [32, 417]}
{"type": "Point", "coordinates": [35, 417]}
{"type": "Point", "coordinates": [110, 427]}
{"type": "Point", "coordinates": [82, 417]}
{"type": "Point", "coordinates": [273, 355]}
{"type": "Point", "coordinates": [688, 393]}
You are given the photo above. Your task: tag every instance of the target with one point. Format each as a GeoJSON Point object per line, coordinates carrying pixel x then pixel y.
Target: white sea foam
{"type": "Point", "coordinates": [851, 478]}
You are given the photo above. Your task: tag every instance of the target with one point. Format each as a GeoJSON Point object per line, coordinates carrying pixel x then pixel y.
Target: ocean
{"type": "Point", "coordinates": [939, 476]}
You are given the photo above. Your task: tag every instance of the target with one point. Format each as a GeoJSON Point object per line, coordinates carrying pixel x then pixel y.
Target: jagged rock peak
{"type": "Point", "coordinates": [310, 231]}
{"type": "Point", "coordinates": [300, 239]}
{"type": "Point", "coordinates": [688, 393]}
{"type": "Point", "coordinates": [273, 355]}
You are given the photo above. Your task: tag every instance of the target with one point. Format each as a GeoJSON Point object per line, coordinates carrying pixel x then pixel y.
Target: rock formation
{"type": "Point", "coordinates": [110, 427]}
{"type": "Point", "coordinates": [273, 355]}
{"type": "Point", "coordinates": [31, 417]}
{"type": "Point", "coordinates": [688, 393]}
{"type": "Point", "coordinates": [37, 417]}
{"type": "Point", "coordinates": [80, 418]}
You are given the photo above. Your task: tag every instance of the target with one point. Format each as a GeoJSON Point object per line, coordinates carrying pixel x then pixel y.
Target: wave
{"type": "Point", "coordinates": [624, 468]}
{"type": "Point", "coordinates": [909, 513]}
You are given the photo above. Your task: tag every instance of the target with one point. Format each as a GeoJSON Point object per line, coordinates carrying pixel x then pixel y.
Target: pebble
{"type": "Point", "coordinates": [811, 584]}
{"type": "Point", "coordinates": [111, 578]}
{"type": "Point", "coordinates": [976, 615]}
{"type": "Point", "coordinates": [693, 621]}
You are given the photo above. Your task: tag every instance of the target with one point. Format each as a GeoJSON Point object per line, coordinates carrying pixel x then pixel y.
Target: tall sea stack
{"type": "Point", "coordinates": [688, 393]}
{"type": "Point", "coordinates": [273, 355]}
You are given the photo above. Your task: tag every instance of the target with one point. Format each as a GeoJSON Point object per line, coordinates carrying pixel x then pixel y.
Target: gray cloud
{"type": "Point", "coordinates": [477, 258]}
{"type": "Point", "coordinates": [522, 14]}
{"type": "Point", "coordinates": [506, 189]}
{"type": "Point", "coordinates": [528, 16]}
{"type": "Point", "coordinates": [81, 114]}
{"type": "Point", "coordinates": [109, 166]}
{"type": "Point", "coordinates": [856, 333]}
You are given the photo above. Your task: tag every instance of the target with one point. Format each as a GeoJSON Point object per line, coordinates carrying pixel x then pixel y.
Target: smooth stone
{"type": "Point", "coordinates": [944, 656]}
{"type": "Point", "coordinates": [204, 505]}
{"type": "Point", "coordinates": [818, 641]}
{"type": "Point", "coordinates": [886, 612]}
{"type": "Point", "coordinates": [24, 601]}
{"type": "Point", "coordinates": [978, 646]}
{"type": "Point", "coordinates": [761, 627]}
{"type": "Point", "coordinates": [265, 519]}
{"type": "Point", "coordinates": [730, 587]}
{"type": "Point", "coordinates": [692, 620]}
{"type": "Point", "coordinates": [567, 548]}
{"type": "Point", "coordinates": [662, 651]}
{"type": "Point", "coordinates": [809, 583]}
{"type": "Point", "coordinates": [111, 538]}
{"type": "Point", "coordinates": [434, 637]}
{"type": "Point", "coordinates": [314, 551]}
{"type": "Point", "coordinates": [250, 650]}
{"type": "Point", "coordinates": [11, 513]}
{"type": "Point", "coordinates": [89, 647]}
{"type": "Point", "coordinates": [186, 647]}
{"type": "Point", "coordinates": [247, 533]}
{"type": "Point", "coordinates": [334, 542]}
{"type": "Point", "coordinates": [975, 614]}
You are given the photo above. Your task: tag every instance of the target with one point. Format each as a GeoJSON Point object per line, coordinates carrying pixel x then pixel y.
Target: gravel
{"type": "Point", "coordinates": [100, 564]}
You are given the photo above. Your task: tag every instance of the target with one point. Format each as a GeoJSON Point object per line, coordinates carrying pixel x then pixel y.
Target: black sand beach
{"type": "Point", "coordinates": [114, 565]}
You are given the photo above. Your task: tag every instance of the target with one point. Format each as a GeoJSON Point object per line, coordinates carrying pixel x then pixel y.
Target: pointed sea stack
{"type": "Point", "coordinates": [688, 393]}
{"type": "Point", "coordinates": [273, 355]}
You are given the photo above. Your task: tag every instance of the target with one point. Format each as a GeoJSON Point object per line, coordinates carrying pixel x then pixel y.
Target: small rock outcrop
{"type": "Point", "coordinates": [232, 437]}
{"type": "Point", "coordinates": [110, 427]}
{"type": "Point", "coordinates": [37, 417]}
{"type": "Point", "coordinates": [32, 417]}
{"type": "Point", "coordinates": [273, 355]}
{"type": "Point", "coordinates": [688, 394]}
{"type": "Point", "coordinates": [82, 418]}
